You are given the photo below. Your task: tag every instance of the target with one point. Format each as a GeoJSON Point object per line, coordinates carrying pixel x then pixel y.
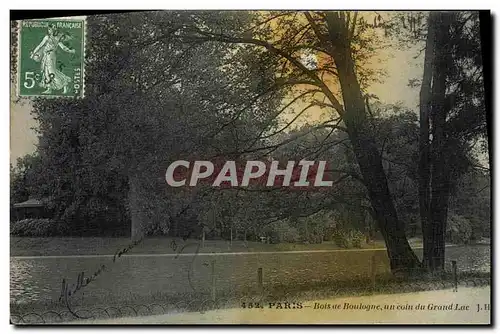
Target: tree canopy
{"type": "Point", "coordinates": [203, 85]}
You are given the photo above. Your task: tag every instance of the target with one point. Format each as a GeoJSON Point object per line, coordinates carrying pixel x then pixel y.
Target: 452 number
{"type": "Point", "coordinates": [251, 305]}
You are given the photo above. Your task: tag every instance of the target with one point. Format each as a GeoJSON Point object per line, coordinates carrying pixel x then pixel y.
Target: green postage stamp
{"type": "Point", "coordinates": [51, 58]}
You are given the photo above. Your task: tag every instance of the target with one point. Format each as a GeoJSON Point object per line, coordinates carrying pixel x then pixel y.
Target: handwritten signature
{"type": "Point", "coordinates": [81, 281]}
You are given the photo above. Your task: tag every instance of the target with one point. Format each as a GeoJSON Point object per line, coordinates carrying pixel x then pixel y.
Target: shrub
{"type": "Point", "coordinates": [280, 231]}
{"type": "Point", "coordinates": [274, 237]}
{"type": "Point", "coordinates": [329, 232]}
{"type": "Point", "coordinates": [341, 239]}
{"type": "Point", "coordinates": [315, 239]}
{"type": "Point", "coordinates": [156, 230]}
{"type": "Point", "coordinates": [348, 239]}
{"type": "Point", "coordinates": [357, 238]}
{"type": "Point", "coordinates": [38, 227]}
{"type": "Point", "coordinates": [458, 229]}
{"type": "Point", "coordinates": [291, 235]}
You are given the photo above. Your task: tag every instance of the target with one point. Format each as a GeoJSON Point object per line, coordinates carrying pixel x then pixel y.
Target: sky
{"type": "Point", "coordinates": [22, 137]}
{"type": "Point", "coordinates": [400, 65]}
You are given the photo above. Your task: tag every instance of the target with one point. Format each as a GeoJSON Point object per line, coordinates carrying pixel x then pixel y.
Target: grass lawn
{"type": "Point", "coordinates": [24, 246]}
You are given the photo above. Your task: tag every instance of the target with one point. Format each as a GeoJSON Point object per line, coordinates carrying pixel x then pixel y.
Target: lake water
{"type": "Point", "coordinates": [39, 279]}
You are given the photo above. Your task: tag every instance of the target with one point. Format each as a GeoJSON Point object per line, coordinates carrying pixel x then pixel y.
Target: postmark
{"type": "Point", "coordinates": [51, 56]}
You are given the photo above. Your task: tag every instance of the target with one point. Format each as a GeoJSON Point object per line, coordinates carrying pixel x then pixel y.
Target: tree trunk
{"type": "Point", "coordinates": [231, 234]}
{"type": "Point", "coordinates": [435, 254]}
{"type": "Point", "coordinates": [402, 257]}
{"type": "Point", "coordinates": [424, 144]}
{"type": "Point", "coordinates": [399, 251]}
{"type": "Point", "coordinates": [437, 212]}
{"type": "Point", "coordinates": [306, 228]}
{"type": "Point", "coordinates": [136, 216]}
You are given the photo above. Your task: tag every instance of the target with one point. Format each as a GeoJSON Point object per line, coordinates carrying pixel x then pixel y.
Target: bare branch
{"type": "Point", "coordinates": [271, 48]}
{"type": "Point", "coordinates": [353, 27]}
{"type": "Point", "coordinates": [266, 21]}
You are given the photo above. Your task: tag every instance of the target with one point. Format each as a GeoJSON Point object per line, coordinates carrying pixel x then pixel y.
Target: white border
{"type": "Point", "coordinates": [261, 4]}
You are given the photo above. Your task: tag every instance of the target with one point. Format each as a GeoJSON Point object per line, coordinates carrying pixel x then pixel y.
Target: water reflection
{"type": "Point", "coordinates": [24, 283]}
{"type": "Point", "coordinates": [40, 279]}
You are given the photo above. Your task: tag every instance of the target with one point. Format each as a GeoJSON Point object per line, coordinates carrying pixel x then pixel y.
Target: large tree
{"type": "Point", "coordinates": [452, 120]}
{"type": "Point", "coordinates": [150, 100]}
{"type": "Point", "coordinates": [343, 41]}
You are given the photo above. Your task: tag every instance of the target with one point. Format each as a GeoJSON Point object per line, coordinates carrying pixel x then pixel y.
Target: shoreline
{"type": "Point", "coordinates": [96, 247]}
{"type": "Point", "coordinates": [208, 254]}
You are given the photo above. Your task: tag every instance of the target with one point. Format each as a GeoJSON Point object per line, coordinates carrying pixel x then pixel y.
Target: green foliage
{"type": "Point", "coordinates": [315, 226]}
{"type": "Point", "coordinates": [340, 238]}
{"type": "Point", "coordinates": [458, 229]}
{"type": "Point", "coordinates": [91, 216]}
{"type": "Point", "coordinates": [471, 199]}
{"type": "Point", "coordinates": [24, 178]}
{"type": "Point", "coordinates": [35, 227]}
{"type": "Point", "coordinates": [156, 230]}
{"type": "Point", "coordinates": [274, 237]}
{"type": "Point", "coordinates": [275, 231]}
{"type": "Point", "coordinates": [348, 238]}
{"type": "Point", "coordinates": [291, 235]}
{"type": "Point", "coordinates": [315, 238]}
{"type": "Point", "coordinates": [150, 99]}
{"type": "Point", "coordinates": [357, 238]}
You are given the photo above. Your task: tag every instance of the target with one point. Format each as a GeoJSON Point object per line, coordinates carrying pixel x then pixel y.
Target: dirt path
{"type": "Point", "coordinates": [401, 308]}
{"type": "Point", "coordinates": [197, 254]}
{"type": "Point", "coordinates": [91, 256]}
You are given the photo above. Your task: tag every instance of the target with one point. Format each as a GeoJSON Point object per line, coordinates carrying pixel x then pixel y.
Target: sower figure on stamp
{"type": "Point", "coordinates": [45, 52]}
